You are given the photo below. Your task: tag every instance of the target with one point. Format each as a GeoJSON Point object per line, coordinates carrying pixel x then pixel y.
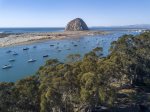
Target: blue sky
{"type": "Point", "coordinates": [56, 13]}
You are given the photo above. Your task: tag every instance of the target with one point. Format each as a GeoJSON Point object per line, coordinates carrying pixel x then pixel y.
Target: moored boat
{"type": "Point", "coordinates": [9, 51]}
{"type": "Point", "coordinates": [11, 60]}
{"type": "Point", "coordinates": [6, 66]}
{"type": "Point", "coordinates": [34, 46]}
{"type": "Point", "coordinates": [26, 48]}
{"type": "Point", "coordinates": [45, 56]}
{"type": "Point", "coordinates": [51, 45]}
{"type": "Point", "coordinates": [75, 45]}
{"type": "Point", "coordinates": [31, 60]}
{"type": "Point", "coordinates": [15, 53]}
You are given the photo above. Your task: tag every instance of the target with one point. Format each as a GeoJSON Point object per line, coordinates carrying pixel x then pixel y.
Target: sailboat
{"type": "Point", "coordinates": [6, 66]}
{"type": "Point", "coordinates": [31, 60]}
{"type": "Point", "coordinates": [11, 60]}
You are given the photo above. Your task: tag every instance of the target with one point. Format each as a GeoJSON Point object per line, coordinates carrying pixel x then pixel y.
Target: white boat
{"type": "Point", "coordinates": [11, 60]}
{"type": "Point", "coordinates": [6, 66]}
{"type": "Point", "coordinates": [31, 60]}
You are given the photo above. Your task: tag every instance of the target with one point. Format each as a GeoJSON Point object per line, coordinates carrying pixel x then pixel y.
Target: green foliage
{"type": "Point", "coordinates": [98, 51]}
{"type": "Point", "coordinates": [74, 57]}
{"type": "Point", "coordinates": [88, 81]}
{"type": "Point", "coordinates": [147, 82]}
{"type": "Point", "coordinates": [21, 96]}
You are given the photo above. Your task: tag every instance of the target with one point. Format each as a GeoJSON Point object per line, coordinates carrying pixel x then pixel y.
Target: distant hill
{"type": "Point", "coordinates": [147, 26]}
{"type": "Point", "coordinates": [141, 26]}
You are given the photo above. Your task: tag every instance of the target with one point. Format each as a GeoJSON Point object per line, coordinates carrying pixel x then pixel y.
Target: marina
{"type": "Point", "coordinates": [26, 59]}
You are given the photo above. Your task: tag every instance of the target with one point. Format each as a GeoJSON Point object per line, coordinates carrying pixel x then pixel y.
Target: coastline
{"type": "Point", "coordinates": [27, 38]}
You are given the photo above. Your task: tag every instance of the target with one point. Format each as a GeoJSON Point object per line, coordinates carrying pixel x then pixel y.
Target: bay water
{"type": "Point", "coordinates": [55, 49]}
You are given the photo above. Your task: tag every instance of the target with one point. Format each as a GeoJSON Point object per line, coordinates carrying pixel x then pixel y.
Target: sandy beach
{"type": "Point", "coordinates": [24, 38]}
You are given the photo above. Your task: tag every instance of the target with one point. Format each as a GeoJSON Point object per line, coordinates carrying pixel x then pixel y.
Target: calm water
{"type": "Point", "coordinates": [29, 30]}
{"type": "Point", "coordinates": [21, 68]}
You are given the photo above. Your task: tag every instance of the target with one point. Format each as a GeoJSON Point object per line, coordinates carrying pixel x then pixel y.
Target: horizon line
{"type": "Point", "coordinates": [65, 26]}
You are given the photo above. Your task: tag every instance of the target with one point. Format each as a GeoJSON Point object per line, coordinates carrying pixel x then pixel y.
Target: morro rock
{"type": "Point", "coordinates": [76, 25]}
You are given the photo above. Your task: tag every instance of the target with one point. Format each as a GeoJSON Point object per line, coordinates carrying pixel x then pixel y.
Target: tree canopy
{"type": "Point", "coordinates": [87, 82]}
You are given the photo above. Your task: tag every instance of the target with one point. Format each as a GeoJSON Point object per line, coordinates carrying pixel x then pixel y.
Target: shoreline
{"type": "Point", "coordinates": [28, 38]}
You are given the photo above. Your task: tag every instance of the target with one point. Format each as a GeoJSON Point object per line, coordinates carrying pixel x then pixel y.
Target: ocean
{"type": "Point", "coordinates": [30, 30]}
{"type": "Point", "coordinates": [51, 29]}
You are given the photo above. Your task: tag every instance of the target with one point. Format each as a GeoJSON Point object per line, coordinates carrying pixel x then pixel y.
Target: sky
{"type": "Point", "coordinates": [57, 13]}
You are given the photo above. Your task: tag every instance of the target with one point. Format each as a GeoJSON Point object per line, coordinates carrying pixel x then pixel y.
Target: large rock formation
{"type": "Point", "coordinates": [76, 25]}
